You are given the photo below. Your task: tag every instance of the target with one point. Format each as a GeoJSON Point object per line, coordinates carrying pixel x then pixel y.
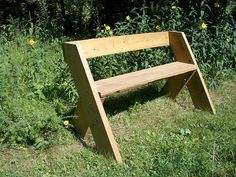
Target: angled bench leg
{"type": "Point", "coordinates": [81, 124]}
{"type": "Point", "coordinates": [175, 84]}
{"type": "Point", "coordinates": [90, 105]}
{"type": "Point", "coordinates": [196, 85]}
{"type": "Point", "coordinates": [199, 93]}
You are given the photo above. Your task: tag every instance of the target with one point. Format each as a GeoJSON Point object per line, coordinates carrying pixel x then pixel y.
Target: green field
{"type": "Point", "coordinates": [157, 137]}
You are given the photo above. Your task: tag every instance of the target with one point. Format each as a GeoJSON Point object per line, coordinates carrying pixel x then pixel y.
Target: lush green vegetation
{"type": "Point", "coordinates": [213, 43]}
{"type": "Point", "coordinates": [80, 18]}
{"type": "Point", "coordinates": [157, 136]}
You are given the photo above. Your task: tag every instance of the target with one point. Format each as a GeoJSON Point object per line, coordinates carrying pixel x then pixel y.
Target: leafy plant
{"type": "Point", "coordinates": [34, 89]}
{"type": "Point", "coordinates": [211, 35]}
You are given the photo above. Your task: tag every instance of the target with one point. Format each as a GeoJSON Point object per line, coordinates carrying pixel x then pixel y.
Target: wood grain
{"type": "Point", "coordinates": [196, 85]}
{"type": "Point", "coordinates": [118, 44]}
{"type": "Point", "coordinates": [90, 110]}
{"type": "Point", "coordinates": [111, 85]}
{"type": "Point", "coordinates": [90, 102]}
{"type": "Point", "coordinates": [175, 84]}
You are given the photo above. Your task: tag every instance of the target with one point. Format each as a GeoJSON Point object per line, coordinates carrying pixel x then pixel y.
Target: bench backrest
{"type": "Point", "coordinates": [118, 44]}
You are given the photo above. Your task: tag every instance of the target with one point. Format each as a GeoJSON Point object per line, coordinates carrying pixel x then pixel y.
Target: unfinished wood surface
{"type": "Point", "coordinates": [91, 94]}
{"type": "Point", "coordinates": [90, 107]}
{"type": "Point", "coordinates": [196, 85]}
{"type": "Point", "coordinates": [175, 84]}
{"type": "Point", "coordinates": [200, 97]}
{"type": "Point", "coordinates": [81, 124]}
{"type": "Point", "coordinates": [111, 85]}
{"type": "Point", "coordinates": [118, 44]}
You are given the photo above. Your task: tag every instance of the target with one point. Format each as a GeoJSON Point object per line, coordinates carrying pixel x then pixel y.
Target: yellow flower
{"type": "Point", "coordinates": [107, 28]}
{"type": "Point", "coordinates": [128, 18]}
{"type": "Point", "coordinates": [102, 31]}
{"type": "Point", "coordinates": [216, 4]}
{"type": "Point", "coordinates": [228, 40]}
{"type": "Point", "coordinates": [66, 122]}
{"type": "Point", "coordinates": [111, 32]}
{"type": "Point", "coordinates": [173, 7]}
{"type": "Point", "coordinates": [204, 25]}
{"type": "Point", "coordinates": [31, 42]}
{"type": "Point", "coordinates": [158, 27]}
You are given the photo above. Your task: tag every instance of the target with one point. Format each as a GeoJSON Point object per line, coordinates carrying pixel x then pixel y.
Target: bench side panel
{"type": "Point", "coordinates": [90, 108]}
{"type": "Point", "coordinates": [119, 44]}
{"type": "Point", "coordinates": [196, 85]}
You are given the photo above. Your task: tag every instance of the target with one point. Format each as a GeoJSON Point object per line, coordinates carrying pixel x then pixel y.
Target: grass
{"type": "Point", "coordinates": [156, 136]}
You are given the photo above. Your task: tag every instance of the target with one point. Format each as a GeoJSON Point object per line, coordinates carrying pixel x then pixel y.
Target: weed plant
{"type": "Point", "coordinates": [34, 89]}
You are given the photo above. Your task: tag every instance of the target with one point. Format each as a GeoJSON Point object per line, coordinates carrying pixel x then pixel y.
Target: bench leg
{"type": "Point", "coordinates": [90, 109]}
{"type": "Point", "coordinates": [80, 124]}
{"type": "Point", "coordinates": [93, 117]}
{"type": "Point", "coordinates": [175, 84]}
{"type": "Point", "coordinates": [196, 85]}
{"type": "Point", "coordinates": [199, 93]}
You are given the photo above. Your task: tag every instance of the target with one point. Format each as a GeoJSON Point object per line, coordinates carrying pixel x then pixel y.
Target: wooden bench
{"type": "Point", "coordinates": [184, 71]}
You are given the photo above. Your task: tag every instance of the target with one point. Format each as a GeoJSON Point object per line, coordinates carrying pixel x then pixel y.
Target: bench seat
{"type": "Point", "coordinates": [123, 82]}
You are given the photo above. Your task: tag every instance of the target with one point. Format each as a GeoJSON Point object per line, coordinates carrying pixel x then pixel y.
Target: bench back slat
{"type": "Point", "coordinates": [119, 44]}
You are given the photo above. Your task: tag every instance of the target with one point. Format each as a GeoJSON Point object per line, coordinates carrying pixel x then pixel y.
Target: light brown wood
{"type": "Point", "coordinates": [201, 99]}
{"type": "Point", "coordinates": [90, 102]}
{"type": "Point", "coordinates": [72, 57]}
{"type": "Point", "coordinates": [81, 124]}
{"type": "Point", "coordinates": [196, 85]}
{"type": "Point", "coordinates": [117, 44]}
{"type": "Point", "coordinates": [91, 94]}
{"type": "Point", "coordinates": [175, 84]}
{"type": "Point", "coordinates": [119, 83]}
